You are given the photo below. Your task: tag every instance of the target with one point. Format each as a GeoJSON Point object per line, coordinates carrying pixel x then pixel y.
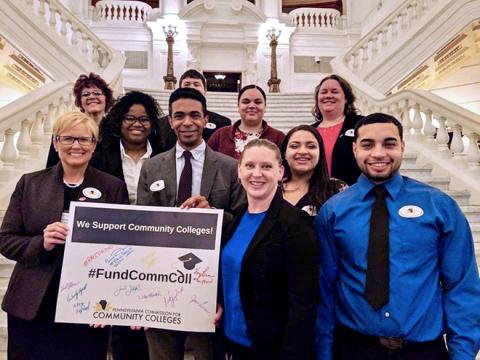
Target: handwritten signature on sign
{"type": "Point", "coordinates": [69, 285]}
{"type": "Point", "coordinates": [80, 307]}
{"type": "Point", "coordinates": [127, 290]}
{"type": "Point", "coordinates": [118, 255]}
{"type": "Point", "coordinates": [202, 276]}
{"type": "Point", "coordinates": [201, 304]}
{"type": "Point", "coordinates": [151, 294]}
{"type": "Point", "coordinates": [97, 254]}
{"type": "Point", "coordinates": [172, 297]}
{"type": "Point", "coordinates": [150, 259]}
{"type": "Point", "coordinates": [77, 293]}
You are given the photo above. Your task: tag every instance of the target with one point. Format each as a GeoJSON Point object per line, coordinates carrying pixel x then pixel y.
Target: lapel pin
{"type": "Point", "coordinates": [350, 132]}
{"type": "Point", "coordinates": [410, 211]}
{"type": "Point", "coordinates": [211, 126]}
{"type": "Point", "coordinates": [310, 210]}
{"type": "Point", "coordinates": [157, 185]}
{"type": "Point", "coordinates": [92, 193]}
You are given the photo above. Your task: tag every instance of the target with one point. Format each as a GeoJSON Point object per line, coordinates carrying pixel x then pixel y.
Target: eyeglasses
{"type": "Point", "coordinates": [130, 120]}
{"type": "Point", "coordinates": [93, 93]}
{"type": "Point", "coordinates": [82, 140]}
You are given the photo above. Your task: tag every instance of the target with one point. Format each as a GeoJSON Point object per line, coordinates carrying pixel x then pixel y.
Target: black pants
{"type": "Point", "coordinates": [350, 345]}
{"type": "Point", "coordinates": [129, 344]}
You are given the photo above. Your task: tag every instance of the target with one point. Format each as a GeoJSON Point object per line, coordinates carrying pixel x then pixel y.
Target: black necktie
{"type": "Point", "coordinates": [185, 184]}
{"type": "Point", "coordinates": [378, 268]}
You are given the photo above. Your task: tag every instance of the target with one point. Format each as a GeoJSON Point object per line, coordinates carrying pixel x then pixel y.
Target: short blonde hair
{"type": "Point", "coordinates": [262, 143]}
{"type": "Point", "coordinates": [72, 119]}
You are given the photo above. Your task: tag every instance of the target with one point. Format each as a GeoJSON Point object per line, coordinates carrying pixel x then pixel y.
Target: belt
{"type": "Point", "coordinates": [390, 343]}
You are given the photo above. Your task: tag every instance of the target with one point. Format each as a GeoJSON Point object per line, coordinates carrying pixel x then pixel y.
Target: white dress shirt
{"type": "Point", "coordinates": [197, 160]}
{"type": "Point", "coordinates": [131, 171]}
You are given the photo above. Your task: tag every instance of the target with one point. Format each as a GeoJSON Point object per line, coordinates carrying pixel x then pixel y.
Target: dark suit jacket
{"type": "Point", "coordinates": [167, 138]}
{"type": "Point", "coordinates": [279, 282]}
{"type": "Point", "coordinates": [107, 157]}
{"type": "Point", "coordinates": [344, 165]}
{"type": "Point", "coordinates": [219, 182]}
{"type": "Point", "coordinates": [37, 202]}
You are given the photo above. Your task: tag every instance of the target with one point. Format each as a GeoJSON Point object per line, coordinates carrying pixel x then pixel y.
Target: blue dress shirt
{"type": "Point", "coordinates": [235, 325]}
{"type": "Point", "coordinates": [434, 283]}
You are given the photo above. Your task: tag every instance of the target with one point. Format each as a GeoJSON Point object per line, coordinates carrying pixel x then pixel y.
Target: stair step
{"type": "Point", "coordinates": [6, 268]}
{"type": "Point", "coordinates": [416, 171]}
{"type": "Point", "coordinates": [472, 213]}
{"type": "Point", "coordinates": [441, 183]}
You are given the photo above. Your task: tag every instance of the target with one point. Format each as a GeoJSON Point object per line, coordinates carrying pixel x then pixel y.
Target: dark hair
{"type": "Point", "coordinates": [319, 189]}
{"type": "Point", "coordinates": [122, 106]}
{"type": "Point", "coordinates": [262, 143]}
{"type": "Point", "coordinates": [193, 74]}
{"type": "Point", "coordinates": [187, 93]}
{"type": "Point", "coordinates": [349, 109]}
{"type": "Point", "coordinates": [251, 86]}
{"type": "Point", "coordinates": [378, 118]}
{"type": "Point", "coordinates": [85, 81]}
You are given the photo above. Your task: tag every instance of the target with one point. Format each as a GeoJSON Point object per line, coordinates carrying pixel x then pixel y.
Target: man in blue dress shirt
{"type": "Point", "coordinates": [425, 257]}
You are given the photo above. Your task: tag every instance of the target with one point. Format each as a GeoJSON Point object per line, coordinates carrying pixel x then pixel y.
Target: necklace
{"type": "Point", "coordinates": [73, 186]}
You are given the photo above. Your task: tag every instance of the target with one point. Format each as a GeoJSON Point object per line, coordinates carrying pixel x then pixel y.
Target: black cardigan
{"type": "Point", "coordinates": [344, 165]}
{"type": "Point", "coordinates": [279, 282]}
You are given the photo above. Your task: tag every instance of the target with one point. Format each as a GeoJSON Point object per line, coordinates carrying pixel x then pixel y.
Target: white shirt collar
{"type": "Point", "coordinates": [196, 152]}
{"type": "Point", "coordinates": [147, 154]}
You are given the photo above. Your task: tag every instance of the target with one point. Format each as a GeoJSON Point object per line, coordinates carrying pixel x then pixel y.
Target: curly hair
{"type": "Point", "coordinates": [85, 81]}
{"type": "Point", "coordinates": [114, 119]}
{"type": "Point", "coordinates": [349, 109]}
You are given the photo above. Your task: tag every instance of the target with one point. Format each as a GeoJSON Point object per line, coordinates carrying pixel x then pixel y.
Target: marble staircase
{"type": "Point", "coordinates": [283, 112]}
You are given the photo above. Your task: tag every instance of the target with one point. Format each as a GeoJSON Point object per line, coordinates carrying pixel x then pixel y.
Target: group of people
{"type": "Point", "coordinates": [327, 251]}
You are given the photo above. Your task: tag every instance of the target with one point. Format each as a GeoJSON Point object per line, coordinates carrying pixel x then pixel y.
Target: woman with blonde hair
{"type": "Point", "coordinates": [33, 233]}
{"type": "Point", "coordinates": [269, 266]}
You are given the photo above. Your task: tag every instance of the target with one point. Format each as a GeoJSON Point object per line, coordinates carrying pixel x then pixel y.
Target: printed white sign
{"type": "Point", "coordinates": [140, 265]}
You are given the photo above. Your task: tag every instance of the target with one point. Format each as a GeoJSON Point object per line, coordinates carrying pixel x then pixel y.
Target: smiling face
{"type": "Point", "coordinates": [92, 101]}
{"type": "Point", "coordinates": [302, 153]}
{"type": "Point", "coordinates": [75, 155]}
{"type": "Point", "coordinates": [187, 121]}
{"type": "Point", "coordinates": [331, 99]}
{"type": "Point", "coordinates": [259, 172]}
{"type": "Point", "coordinates": [378, 151]}
{"type": "Point", "coordinates": [251, 107]}
{"type": "Point", "coordinates": [136, 133]}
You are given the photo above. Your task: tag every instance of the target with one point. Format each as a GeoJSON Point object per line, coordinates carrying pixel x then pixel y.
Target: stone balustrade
{"type": "Point", "coordinates": [427, 120]}
{"type": "Point", "coordinates": [78, 36]}
{"type": "Point", "coordinates": [123, 11]}
{"type": "Point", "coordinates": [314, 18]}
{"type": "Point", "coordinates": [26, 124]}
{"type": "Point", "coordinates": [409, 16]}
{"type": "Point", "coordinates": [27, 128]}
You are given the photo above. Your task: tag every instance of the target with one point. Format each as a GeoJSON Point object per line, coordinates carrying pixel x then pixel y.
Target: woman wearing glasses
{"type": "Point", "coordinates": [33, 233]}
{"type": "Point", "coordinates": [93, 97]}
{"type": "Point", "coordinates": [133, 123]}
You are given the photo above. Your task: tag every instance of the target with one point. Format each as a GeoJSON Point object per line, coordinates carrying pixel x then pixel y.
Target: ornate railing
{"type": "Point", "coordinates": [409, 16]}
{"type": "Point", "coordinates": [314, 18]}
{"type": "Point", "coordinates": [123, 11]}
{"type": "Point", "coordinates": [65, 47]}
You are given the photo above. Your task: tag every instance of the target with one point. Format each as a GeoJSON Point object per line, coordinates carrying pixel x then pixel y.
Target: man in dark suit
{"type": "Point", "coordinates": [188, 175]}
{"type": "Point", "coordinates": [194, 80]}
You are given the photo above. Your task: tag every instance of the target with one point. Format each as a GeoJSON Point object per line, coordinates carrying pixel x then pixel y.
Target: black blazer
{"type": "Point", "coordinates": [36, 202]}
{"type": "Point", "coordinates": [344, 165]}
{"type": "Point", "coordinates": [279, 282]}
{"type": "Point", "coordinates": [167, 137]}
{"type": "Point", "coordinates": [107, 156]}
